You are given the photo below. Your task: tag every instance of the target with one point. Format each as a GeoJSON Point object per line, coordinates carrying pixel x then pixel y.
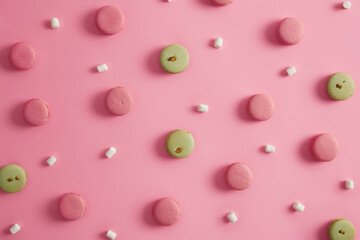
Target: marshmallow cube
{"type": "Point", "coordinates": [111, 235]}
{"type": "Point", "coordinates": [349, 184]}
{"type": "Point", "coordinates": [346, 4]}
{"type": "Point", "coordinates": [291, 70]}
{"type": "Point", "coordinates": [203, 108]}
{"type": "Point", "coordinates": [102, 67]}
{"type": "Point", "coordinates": [269, 148]}
{"type": "Point", "coordinates": [232, 217]}
{"type": "Point", "coordinates": [169, 0]}
{"type": "Point", "coordinates": [51, 160]}
{"type": "Point", "coordinates": [111, 152]}
{"type": "Point", "coordinates": [15, 228]}
{"type": "Point", "coordinates": [298, 207]}
{"type": "Point", "coordinates": [218, 42]}
{"type": "Point", "coordinates": [55, 24]}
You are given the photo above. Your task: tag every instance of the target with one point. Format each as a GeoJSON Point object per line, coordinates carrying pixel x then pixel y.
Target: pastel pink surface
{"type": "Point", "coordinates": [167, 211]}
{"type": "Point", "coordinates": [37, 112]}
{"type": "Point", "coordinates": [325, 147]}
{"type": "Point", "coordinates": [223, 2]}
{"type": "Point", "coordinates": [110, 20]}
{"type": "Point", "coordinates": [119, 101]}
{"type": "Point", "coordinates": [239, 176]}
{"type": "Point", "coordinates": [23, 55]}
{"type": "Point", "coordinates": [261, 107]}
{"type": "Point", "coordinates": [72, 206]}
{"type": "Point", "coordinates": [291, 30]}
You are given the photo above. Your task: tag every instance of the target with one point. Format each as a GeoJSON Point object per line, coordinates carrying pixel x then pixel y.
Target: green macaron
{"type": "Point", "coordinates": [180, 143]}
{"type": "Point", "coordinates": [12, 178]}
{"type": "Point", "coordinates": [341, 229]}
{"type": "Point", "coordinates": [340, 86]}
{"type": "Point", "coordinates": [174, 58]}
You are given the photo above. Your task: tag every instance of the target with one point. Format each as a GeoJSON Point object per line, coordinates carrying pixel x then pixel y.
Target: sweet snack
{"type": "Point", "coordinates": [72, 206]}
{"type": "Point", "coordinates": [15, 228]}
{"type": "Point", "coordinates": [269, 148]}
{"type": "Point", "coordinates": [119, 101]}
{"type": "Point", "coordinates": [51, 160]}
{"type": "Point", "coordinates": [340, 86]}
{"type": "Point", "coordinates": [180, 143]}
{"type": "Point", "coordinates": [102, 67]}
{"type": "Point", "coordinates": [111, 235]}
{"type": "Point", "coordinates": [55, 23]}
{"type": "Point", "coordinates": [261, 107]}
{"type": "Point", "coordinates": [341, 229]}
{"type": "Point", "coordinates": [110, 20]}
{"type": "Point", "coordinates": [111, 152]}
{"type": "Point", "coordinates": [291, 70]}
{"type": "Point", "coordinates": [349, 184]}
{"type": "Point", "coordinates": [232, 217]}
{"type": "Point", "coordinates": [167, 211]}
{"type": "Point", "coordinates": [223, 2]}
{"type": "Point", "coordinates": [37, 112]}
{"type": "Point", "coordinates": [346, 4]}
{"type": "Point", "coordinates": [174, 58]}
{"type": "Point", "coordinates": [203, 108]}
{"type": "Point", "coordinates": [324, 147]}
{"type": "Point", "coordinates": [291, 30]}
{"type": "Point", "coordinates": [12, 178]}
{"type": "Point", "coordinates": [298, 206]}
{"type": "Point", "coordinates": [218, 42]}
{"type": "Point", "coordinates": [23, 55]}
{"type": "Point", "coordinates": [239, 176]}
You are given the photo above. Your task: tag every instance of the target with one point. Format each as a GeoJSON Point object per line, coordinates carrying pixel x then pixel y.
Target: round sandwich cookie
{"type": "Point", "coordinates": [341, 229]}
{"type": "Point", "coordinates": [167, 211]}
{"type": "Point", "coordinates": [23, 55]}
{"type": "Point", "coordinates": [174, 58]}
{"type": "Point", "coordinates": [37, 112]}
{"type": "Point", "coordinates": [291, 30]}
{"type": "Point", "coordinates": [261, 107]}
{"type": "Point", "coordinates": [110, 20]}
{"type": "Point", "coordinates": [239, 176]}
{"type": "Point", "coordinates": [119, 101]}
{"type": "Point", "coordinates": [324, 147]}
{"type": "Point", "coordinates": [180, 143]}
{"type": "Point", "coordinates": [12, 178]}
{"type": "Point", "coordinates": [72, 206]}
{"type": "Point", "coordinates": [340, 86]}
{"type": "Point", "coordinates": [223, 2]}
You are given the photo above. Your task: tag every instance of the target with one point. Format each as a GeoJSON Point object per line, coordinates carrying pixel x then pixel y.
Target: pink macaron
{"type": "Point", "coordinates": [167, 211]}
{"type": "Point", "coordinates": [37, 112]}
{"type": "Point", "coordinates": [291, 30]}
{"type": "Point", "coordinates": [223, 2]}
{"type": "Point", "coordinates": [119, 101]}
{"type": "Point", "coordinates": [23, 55]}
{"type": "Point", "coordinates": [72, 206]}
{"type": "Point", "coordinates": [324, 147]}
{"type": "Point", "coordinates": [261, 107]}
{"type": "Point", "coordinates": [239, 176]}
{"type": "Point", "coordinates": [110, 20]}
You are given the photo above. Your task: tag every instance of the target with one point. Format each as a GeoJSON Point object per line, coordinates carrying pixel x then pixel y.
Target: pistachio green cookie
{"type": "Point", "coordinates": [174, 58]}
{"type": "Point", "coordinates": [12, 178]}
{"type": "Point", "coordinates": [341, 229]}
{"type": "Point", "coordinates": [340, 86]}
{"type": "Point", "coordinates": [180, 143]}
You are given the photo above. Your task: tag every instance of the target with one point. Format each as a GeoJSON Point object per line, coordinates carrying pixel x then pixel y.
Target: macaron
{"type": "Point", "coordinates": [179, 143]}
{"type": "Point", "coordinates": [110, 20]}
{"type": "Point", "coordinates": [119, 101]}
{"type": "Point", "coordinates": [324, 147]}
{"type": "Point", "coordinates": [340, 86]}
{"type": "Point", "coordinates": [72, 206]}
{"type": "Point", "coordinates": [223, 2]}
{"type": "Point", "coordinates": [12, 178]}
{"type": "Point", "coordinates": [174, 58]}
{"type": "Point", "coordinates": [341, 229]}
{"type": "Point", "coordinates": [291, 30]}
{"type": "Point", "coordinates": [239, 176]}
{"type": "Point", "coordinates": [23, 55]}
{"type": "Point", "coordinates": [261, 107]}
{"type": "Point", "coordinates": [167, 211]}
{"type": "Point", "coordinates": [37, 112]}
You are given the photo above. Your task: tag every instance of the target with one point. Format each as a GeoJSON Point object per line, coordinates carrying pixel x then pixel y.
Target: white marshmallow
{"type": "Point", "coordinates": [346, 4]}
{"type": "Point", "coordinates": [218, 42]}
{"type": "Point", "coordinates": [111, 152]}
{"type": "Point", "coordinates": [102, 67]}
{"type": "Point", "coordinates": [269, 148]}
{"type": "Point", "coordinates": [111, 235]}
{"type": "Point", "coordinates": [298, 207]}
{"type": "Point", "coordinates": [169, 0]}
{"type": "Point", "coordinates": [291, 70]}
{"type": "Point", "coordinates": [232, 217]}
{"type": "Point", "coordinates": [349, 184]}
{"type": "Point", "coordinates": [203, 108]}
{"type": "Point", "coordinates": [55, 23]}
{"type": "Point", "coordinates": [51, 160]}
{"type": "Point", "coordinates": [15, 228]}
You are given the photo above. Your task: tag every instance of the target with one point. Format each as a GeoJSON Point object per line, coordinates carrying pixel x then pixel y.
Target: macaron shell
{"type": "Point", "coordinates": [72, 206]}
{"type": "Point", "coordinates": [341, 229]}
{"type": "Point", "coordinates": [12, 171]}
{"type": "Point", "coordinates": [261, 107]}
{"type": "Point", "coordinates": [119, 101]}
{"type": "Point", "coordinates": [110, 20]}
{"type": "Point", "coordinates": [223, 2]}
{"type": "Point", "coordinates": [37, 112]}
{"type": "Point", "coordinates": [23, 55]}
{"type": "Point", "coordinates": [324, 147]}
{"type": "Point", "coordinates": [180, 143]}
{"type": "Point", "coordinates": [179, 53]}
{"type": "Point", "coordinates": [167, 211]}
{"type": "Point", "coordinates": [239, 176]}
{"type": "Point", "coordinates": [340, 86]}
{"type": "Point", "coordinates": [291, 30]}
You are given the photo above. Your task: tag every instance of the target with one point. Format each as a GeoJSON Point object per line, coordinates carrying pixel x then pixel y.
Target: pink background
{"type": "Point", "coordinates": [120, 191]}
